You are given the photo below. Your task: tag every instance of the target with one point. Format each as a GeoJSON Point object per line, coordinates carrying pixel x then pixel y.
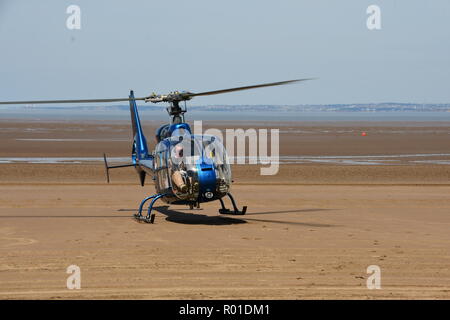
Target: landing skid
{"type": "Point", "coordinates": [150, 218]}
{"type": "Point", "coordinates": [235, 210]}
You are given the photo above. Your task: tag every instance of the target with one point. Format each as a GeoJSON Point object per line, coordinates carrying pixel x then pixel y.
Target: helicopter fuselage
{"type": "Point", "coordinates": [201, 172]}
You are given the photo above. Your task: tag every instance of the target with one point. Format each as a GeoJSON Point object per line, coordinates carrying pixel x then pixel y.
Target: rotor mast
{"type": "Point", "coordinates": [176, 112]}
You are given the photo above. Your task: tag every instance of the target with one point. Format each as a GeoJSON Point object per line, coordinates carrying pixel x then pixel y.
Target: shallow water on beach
{"type": "Point", "coordinates": [443, 159]}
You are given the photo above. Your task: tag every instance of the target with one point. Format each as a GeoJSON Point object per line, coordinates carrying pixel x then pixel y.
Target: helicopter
{"type": "Point", "coordinates": [187, 169]}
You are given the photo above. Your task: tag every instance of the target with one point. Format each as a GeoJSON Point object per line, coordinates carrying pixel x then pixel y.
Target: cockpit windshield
{"type": "Point", "coordinates": [188, 153]}
{"type": "Point", "coordinates": [214, 153]}
{"type": "Point", "coordinates": [195, 149]}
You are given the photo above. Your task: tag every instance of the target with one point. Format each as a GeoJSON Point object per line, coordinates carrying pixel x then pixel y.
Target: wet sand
{"type": "Point", "coordinates": [92, 138]}
{"type": "Point", "coordinates": [311, 231]}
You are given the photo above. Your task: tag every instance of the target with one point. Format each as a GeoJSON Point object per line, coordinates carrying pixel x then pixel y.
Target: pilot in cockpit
{"type": "Point", "coordinates": [178, 167]}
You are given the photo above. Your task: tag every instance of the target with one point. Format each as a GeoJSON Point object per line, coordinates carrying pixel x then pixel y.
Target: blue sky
{"type": "Point", "coordinates": [205, 45]}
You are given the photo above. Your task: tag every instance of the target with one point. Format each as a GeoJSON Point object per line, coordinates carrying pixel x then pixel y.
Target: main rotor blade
{"type": "Point", "coordinates": [69, 101]}
{"type": "Point", "coordinates": [272, 84]}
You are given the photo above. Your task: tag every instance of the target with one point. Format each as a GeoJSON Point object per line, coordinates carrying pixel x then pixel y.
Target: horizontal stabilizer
{"type": "Point", "coordinates": [114, 167]}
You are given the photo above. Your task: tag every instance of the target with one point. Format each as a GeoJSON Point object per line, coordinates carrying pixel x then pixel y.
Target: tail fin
{"type": "Point", "coordinates": [140, 149]}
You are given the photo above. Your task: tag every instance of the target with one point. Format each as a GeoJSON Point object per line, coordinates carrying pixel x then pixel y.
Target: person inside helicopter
{"type": "Point", "coordinates": [178, 167]}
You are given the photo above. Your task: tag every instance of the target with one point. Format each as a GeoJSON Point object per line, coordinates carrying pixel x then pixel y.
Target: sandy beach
{"type": "Point", "coordinates": [344, 202]}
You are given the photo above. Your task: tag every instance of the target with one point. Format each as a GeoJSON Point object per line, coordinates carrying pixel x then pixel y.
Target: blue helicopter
{"type": "Point", "coordinates": [187, 169]}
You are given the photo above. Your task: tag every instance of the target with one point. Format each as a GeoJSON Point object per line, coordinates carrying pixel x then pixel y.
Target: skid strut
{"type": "Point", "coordinates": [235, 210]}
{"type": "Point", "coordinates": [150, 218]}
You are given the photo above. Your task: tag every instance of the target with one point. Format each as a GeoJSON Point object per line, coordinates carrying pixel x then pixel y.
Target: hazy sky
{"type": "Point", "coordinates": [205, 45]}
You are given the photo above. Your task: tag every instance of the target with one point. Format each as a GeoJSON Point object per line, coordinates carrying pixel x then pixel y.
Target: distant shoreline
{"type": "Point", "coordinates": [237, 115]}
{"type": "Point", "coordinates": [345, 107]}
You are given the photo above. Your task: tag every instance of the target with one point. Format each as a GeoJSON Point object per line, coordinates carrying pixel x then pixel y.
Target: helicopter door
{"type": "Point", "coordinates": [162, 178]}
{"type": "Point", "coordinates": [182, 162]}
{"type": "Point", "coordinates": [214, 153]}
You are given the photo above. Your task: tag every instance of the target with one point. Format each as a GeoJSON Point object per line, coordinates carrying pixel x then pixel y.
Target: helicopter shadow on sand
{"type": "Point", "coordinates": [195, 218]}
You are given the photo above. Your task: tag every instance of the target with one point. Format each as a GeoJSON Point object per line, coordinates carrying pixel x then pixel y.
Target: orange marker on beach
{"type": "Point", "coordinates": [364, 134]}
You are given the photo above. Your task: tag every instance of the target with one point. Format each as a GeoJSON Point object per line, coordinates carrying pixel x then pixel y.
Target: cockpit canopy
{"type": "Point", "coordinates": [195, 149]}
{"type": "Point", "coordinates": [195, 164]}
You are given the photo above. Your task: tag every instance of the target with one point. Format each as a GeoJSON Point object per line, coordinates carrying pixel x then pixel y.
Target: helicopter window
{"type": "Point", "coordinates": [163, 180]}
{"type": "Point", "coordinates": [190, 150]}
{"type": "Point", "coordinates": [160, 147]}
{"type": "Point", "coordinates": [184, 149]}
{"type": "Point", "coordinates": [160, 156]}
{"type": "Point", "coordinates": [161, 160]}
{"type": "Point", "coordinates": [179, 132]}
{"type": "Point", "coordinates": [182, 158]}
{"type": "Point", "coordinates": [213, 151]}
